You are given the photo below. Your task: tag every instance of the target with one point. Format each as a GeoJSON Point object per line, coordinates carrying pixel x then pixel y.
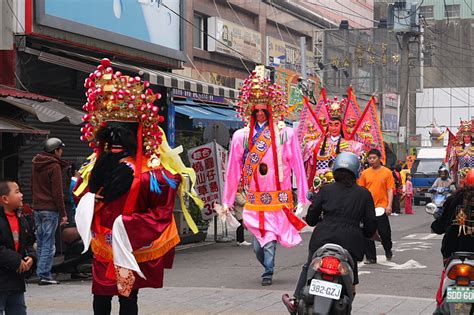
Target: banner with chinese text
{"type": "Point", "coordinates": [209, 161]}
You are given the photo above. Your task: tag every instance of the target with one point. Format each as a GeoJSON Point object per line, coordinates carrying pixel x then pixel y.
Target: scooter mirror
{"type": "Point", "coordinates": [430, 208]}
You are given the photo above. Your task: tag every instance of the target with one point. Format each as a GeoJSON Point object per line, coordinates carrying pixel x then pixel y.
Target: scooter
{"type": "Point", "coordinates": [69, 257]}
{"type": "Point", "coordinates": [458, 285]}
{"type": "Point", "coordinates": [435, 207]}
{"type": "Point", "coordinates": [329, 283]}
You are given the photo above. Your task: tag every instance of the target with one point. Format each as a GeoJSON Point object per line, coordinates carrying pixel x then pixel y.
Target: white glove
{"type": "Point", "coordinates": [226, 208]}
{"type": "Point", "coordinates": [301, 210]}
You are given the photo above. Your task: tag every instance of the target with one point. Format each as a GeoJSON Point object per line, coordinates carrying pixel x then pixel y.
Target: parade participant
{"type": "Point", "coordinates": [408, 190]}
{"type": "Point", "coordinates": [379, 181]}
{"type": "Point", "coordinates": [128, 190]}
{"type": "Point", "coordinates": [344, 205]}
{"type": "Point", "coordinates": [461, 155]}
{"type": "Point", "coordinates": [265, 154]}
{"type": "Point", "coordinates": [319, 154]}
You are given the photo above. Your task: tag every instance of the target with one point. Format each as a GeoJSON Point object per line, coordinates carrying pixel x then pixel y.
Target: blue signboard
{"type": "Point", "coordinates": [171, 125]}
{"type": "Point", "coordinates": [142, 24]}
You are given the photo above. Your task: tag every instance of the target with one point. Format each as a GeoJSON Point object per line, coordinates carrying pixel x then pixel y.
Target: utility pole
{"type": "Point", "coordinates": [303, 57]}
{"type": "Point", "coordinates": [404, 78]}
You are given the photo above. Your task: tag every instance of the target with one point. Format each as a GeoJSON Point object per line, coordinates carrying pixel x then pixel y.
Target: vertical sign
{"type": "Point", "coordinates": [171, 125]}
{"type": "Point", "coordinates": [209, 162]}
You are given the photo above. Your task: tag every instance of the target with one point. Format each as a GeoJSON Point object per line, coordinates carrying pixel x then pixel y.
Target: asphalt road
{"type": "Point", "coordinates": [222, 278]}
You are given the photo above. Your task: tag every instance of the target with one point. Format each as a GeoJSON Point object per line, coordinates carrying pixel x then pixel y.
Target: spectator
{"type": "Point", "coordinates": [409, 195]}
{"type": "Point", "coordinates": [48, 203]}
{"type": "Point", "coordinates": [380, 182]}
{"type": "Point", "coordinates": [397, 192]}
{"type": "Point", "coordinates": [16, 250]}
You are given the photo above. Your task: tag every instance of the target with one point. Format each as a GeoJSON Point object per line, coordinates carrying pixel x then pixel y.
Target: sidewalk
{"type": "Point", "coordinates": [75, 298]}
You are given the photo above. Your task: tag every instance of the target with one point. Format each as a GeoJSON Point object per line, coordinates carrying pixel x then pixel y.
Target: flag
{"type": "Point", "coordinates": [352, 112]}
{"type": "Point", "coordinates": [368, 130]}
{"type": "Point", "coordinates": [309, 119]}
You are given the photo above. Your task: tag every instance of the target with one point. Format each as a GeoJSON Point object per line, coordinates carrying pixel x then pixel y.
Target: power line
{"type": "Point", "coordinates": [343, 12]}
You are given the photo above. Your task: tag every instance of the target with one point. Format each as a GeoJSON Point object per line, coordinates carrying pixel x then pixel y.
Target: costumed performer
{"type": "Point", "coordinates": [461, 155]}
{"type": "Point", "coordinates": [320, 152]}
{"type": "Point", "coordinates": [265, 154]}
{"type": "Point", "coordinates": [128, 189]}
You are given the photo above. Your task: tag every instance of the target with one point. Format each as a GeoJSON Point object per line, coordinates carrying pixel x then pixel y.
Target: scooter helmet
{"type": "Point", "coordinates": [469, 179]}
{"type": "Point", "coordinates": [52, 144]}
{"type": "Point", "coordinates": [348, 161]}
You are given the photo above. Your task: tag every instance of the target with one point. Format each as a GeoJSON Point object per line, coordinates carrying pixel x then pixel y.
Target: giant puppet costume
{"type": "Point", "coordinates": [461, 151]}
{"type": "Point", "coordinates": [127, 191]}
{"type": "Point", "coordinates": [335, 126]}
{"type": "Point", "coordinates": [264, 154]}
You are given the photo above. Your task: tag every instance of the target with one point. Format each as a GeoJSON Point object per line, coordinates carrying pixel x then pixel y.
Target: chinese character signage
{"type": "Point", "coordinates": [209, 162]}
{"type": "Point", "coordinates": [234, 40]}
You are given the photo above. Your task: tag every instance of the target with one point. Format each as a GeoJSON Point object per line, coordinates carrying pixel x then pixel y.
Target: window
{"type": "Point", "coordinates": [427, 11]}
{"type": "Point", "coordinates": [199, 29]}
{"type": "Point", "coordinates": [452, 11]}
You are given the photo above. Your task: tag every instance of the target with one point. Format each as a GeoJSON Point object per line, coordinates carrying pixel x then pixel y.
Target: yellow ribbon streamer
{"type": "Point", "coordinates": [85, 172]}
{"type": "Point", "coordinates": [172, 162]}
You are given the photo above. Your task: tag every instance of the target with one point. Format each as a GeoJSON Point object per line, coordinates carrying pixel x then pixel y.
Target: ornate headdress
{"type": "Point", "coordinates": [257, 90]}
{"type": "Point", "coordinates": [117, 97]}
{"type": "Point", "coordinates": [336, 108]}
{"type": "Point", "coordinates": [466, 128]}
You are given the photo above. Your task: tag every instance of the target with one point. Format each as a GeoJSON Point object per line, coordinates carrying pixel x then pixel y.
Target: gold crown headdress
{"type": "Point", "coordinates": [466, 128]}
{"type": "Point", "coordinates": [258, 90]}
{"type": "Point", "coordinates": [117, 97]}
{"type": "Point", "coordinates": [336, 108]}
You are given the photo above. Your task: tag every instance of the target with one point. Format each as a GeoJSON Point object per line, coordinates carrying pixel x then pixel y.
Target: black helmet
{"type": "Point", "coordinates": [52, 144]}
{"type": "Point", "coordinates": [348, 161]}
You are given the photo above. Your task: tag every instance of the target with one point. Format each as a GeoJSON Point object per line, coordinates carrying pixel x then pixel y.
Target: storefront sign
{"type": "Point", "coordinates": [209, 162]}
{"type": "Point", "coordinates": [198, 96]}
{"type": "Point", "coordinates": [390, 112]}
{"type": "Point", "coordinates": [171, 125]}
{"type": "Point", "coordinates": [287, 56]}
{"type": "Point", "coordinates": [234, 40]}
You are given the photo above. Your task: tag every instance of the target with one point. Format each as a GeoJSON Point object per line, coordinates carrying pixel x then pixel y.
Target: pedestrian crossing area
{"type": "Point", "coordinates": [423, 236]}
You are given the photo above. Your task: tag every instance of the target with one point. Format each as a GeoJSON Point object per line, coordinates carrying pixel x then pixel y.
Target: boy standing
{"type": "Point", "coordinates": [16, 251]}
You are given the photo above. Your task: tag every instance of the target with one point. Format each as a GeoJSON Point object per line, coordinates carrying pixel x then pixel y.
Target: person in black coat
{"type": "Point", "coordinates": [17, 256]}
{"type": "Point", "coordinates": [337, 211]}
{"type": "Point", "coordinates": [457, 237]}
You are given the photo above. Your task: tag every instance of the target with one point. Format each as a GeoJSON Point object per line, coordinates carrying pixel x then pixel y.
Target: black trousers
{"type": "Point", "coordinates": [396, 203]}
{"type": "Point", "coordinates": [239, 233]}
{"type": "Point", "coordinates": [385, 232]}
{"type": "Point", "coordinates": [128, 306]}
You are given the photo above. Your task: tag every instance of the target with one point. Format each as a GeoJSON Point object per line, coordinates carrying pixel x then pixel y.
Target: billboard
{"type": "Point", "coordinates": [234, 40]}
{"type": "Point", "coordinates": [149, 25]}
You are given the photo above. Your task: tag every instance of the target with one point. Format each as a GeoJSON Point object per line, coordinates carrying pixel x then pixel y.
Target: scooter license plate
{"type": "Point", "coordinates": [325, 289]}
{"type": "Point", "coordinates": [428, 195]}
{"type": "Point", "coordinates": [460, 295]}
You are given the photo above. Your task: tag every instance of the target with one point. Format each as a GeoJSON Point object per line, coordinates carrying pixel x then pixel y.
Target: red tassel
{"type": "Point", "coordinates": [261, 223]}
{"type": "Point", "coordinates": [294, 220]}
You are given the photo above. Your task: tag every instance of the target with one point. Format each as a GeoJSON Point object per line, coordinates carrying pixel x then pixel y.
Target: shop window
{"type": "Point", "coordinates": [452, 11]}
{"type": "Point", "coordinates": [427, 11]}
{"type": "Point", "coordinates": [199, 31]}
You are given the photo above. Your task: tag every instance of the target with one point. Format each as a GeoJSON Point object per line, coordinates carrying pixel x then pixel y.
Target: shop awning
{"type": "Point", "coordinates": [8, 125]}
{"type": "Point", "coordinates": [45, 108]}
{"type": "Point", "coordinates": [203, 115]}
{"type": "Point", "coordinates": [166, 79]}
{"type": "Point", "coordinates": [176, 81]}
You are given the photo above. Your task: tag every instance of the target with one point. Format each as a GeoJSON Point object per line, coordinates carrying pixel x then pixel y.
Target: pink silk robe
{"type": "Point", "coordinates": [277, 225]}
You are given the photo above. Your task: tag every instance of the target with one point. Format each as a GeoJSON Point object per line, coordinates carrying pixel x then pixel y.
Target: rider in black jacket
{"type": "Point", "coordinates": [457, 226]}
{"type": "Point", "coordinates": [337, 211]}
